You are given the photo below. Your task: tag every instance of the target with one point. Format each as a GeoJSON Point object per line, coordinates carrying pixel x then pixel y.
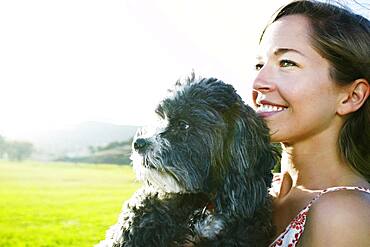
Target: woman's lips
{"type": "Point", "coordinates": [266, 109]}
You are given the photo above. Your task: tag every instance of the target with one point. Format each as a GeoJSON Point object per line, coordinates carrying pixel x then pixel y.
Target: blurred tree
{"type": "Point", "coordinates": [92, 149]}
{"type": "Point", "coordinates": [278, 149]}
{"type": "Point", "coordinates": [2, 146]}
{"type": "Point", "coordinates": [17, 150]}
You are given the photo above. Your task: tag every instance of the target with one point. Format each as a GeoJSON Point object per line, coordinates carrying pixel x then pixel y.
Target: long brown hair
{"type": "Point", "coordinates": [343, 38]}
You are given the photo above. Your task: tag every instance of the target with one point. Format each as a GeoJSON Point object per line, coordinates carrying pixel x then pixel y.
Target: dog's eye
{"type": "Point", "coordinates": [183, 125]}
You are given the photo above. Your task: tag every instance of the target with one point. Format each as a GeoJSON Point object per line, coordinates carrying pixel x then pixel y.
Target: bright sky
{"type": "Point", "coordinates": [65, 62]}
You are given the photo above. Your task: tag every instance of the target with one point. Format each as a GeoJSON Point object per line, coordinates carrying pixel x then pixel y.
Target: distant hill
{"type": "Point", "coordinates": [113, 153]}
{"type": "Point", "coordinates": [76, 140]}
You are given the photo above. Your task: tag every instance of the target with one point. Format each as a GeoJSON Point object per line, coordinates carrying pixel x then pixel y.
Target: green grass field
{"type": "Point", "coordinates": [60, 204]}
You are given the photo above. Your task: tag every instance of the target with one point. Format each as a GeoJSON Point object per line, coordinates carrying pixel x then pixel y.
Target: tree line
{"type": "Point", "coordinates": [109, 146]}
{"type": "Point", "coordinates": [15, 150]}
{"type": "Point", "coordinates": [112, 153]}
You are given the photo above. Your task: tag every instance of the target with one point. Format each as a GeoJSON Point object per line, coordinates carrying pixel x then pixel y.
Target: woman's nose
{"type": "Point", "coordinates": [264, 81]}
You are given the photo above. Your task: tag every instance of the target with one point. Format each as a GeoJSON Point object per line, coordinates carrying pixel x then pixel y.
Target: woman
{"type": "Point", "coordinates": [312, 88]}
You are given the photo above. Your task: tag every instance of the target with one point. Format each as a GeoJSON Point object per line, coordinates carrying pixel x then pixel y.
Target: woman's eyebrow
{"type": "Point", "coordinates": [281, 51]}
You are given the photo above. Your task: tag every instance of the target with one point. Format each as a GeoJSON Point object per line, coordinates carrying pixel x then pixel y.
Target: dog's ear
{"type": "Point", "coordinates": [250, 158]}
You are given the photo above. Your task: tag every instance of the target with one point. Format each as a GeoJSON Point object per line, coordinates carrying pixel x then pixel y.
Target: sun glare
{"type": "Point", "coordinates": [73, 61]}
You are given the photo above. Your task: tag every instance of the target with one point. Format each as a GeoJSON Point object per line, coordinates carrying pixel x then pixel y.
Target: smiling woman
{"type": "Point", "coordinates": [312, 88]}
{"type": "Point", "coordinates": [292, 70]}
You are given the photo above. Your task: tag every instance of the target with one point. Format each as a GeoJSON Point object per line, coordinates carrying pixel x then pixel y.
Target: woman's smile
{"type": "Point", "coordinates": [267, 109]}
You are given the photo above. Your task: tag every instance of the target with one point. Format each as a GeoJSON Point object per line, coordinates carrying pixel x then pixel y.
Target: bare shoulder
{"type": "Point", "coordinates": [340, 218]}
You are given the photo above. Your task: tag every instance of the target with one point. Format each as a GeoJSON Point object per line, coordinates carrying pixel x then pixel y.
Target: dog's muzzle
{"type": "Point", "coordinates": [141, 145]}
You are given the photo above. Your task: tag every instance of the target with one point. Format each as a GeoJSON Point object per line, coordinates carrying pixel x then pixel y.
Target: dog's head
{"type": "Point", "coordinates": [206, 140]}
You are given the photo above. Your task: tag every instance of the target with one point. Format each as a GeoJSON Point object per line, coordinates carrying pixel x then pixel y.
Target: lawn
{"type": "Point", "coordinates": [60, 204]}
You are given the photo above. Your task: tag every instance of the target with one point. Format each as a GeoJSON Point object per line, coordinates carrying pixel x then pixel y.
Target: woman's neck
{"type": "Point", "coordinates": [316, 165]}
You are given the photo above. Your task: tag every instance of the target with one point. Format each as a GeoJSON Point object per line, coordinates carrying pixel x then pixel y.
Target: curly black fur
{"type": "Point", "coordinates": [206, 169]}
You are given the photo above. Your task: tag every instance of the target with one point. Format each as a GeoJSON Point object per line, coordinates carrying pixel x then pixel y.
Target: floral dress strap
{"type": "Point", "coordinates": [292, 233]}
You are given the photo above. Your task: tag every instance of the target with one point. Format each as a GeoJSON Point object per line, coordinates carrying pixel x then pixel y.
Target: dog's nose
{"type": "Point", "coordinates": [140, 144]}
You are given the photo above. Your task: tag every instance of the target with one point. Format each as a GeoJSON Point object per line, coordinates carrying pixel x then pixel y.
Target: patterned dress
{"type": "Point", "coordinates": [292, 233]}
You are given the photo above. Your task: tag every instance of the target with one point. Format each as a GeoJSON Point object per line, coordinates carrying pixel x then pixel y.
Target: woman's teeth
{"type": "Point", "coordinates": [269, 108]}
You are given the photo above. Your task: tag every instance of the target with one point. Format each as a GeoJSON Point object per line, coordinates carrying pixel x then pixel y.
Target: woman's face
{"type": "Point", "coordinates": [295, 94]}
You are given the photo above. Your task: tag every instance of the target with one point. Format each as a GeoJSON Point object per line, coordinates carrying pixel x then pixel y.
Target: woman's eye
{"type": "Point", "coordinates": [287, 63]}
{"type": "Point", "coordinates": [258, 66]}
{"type": "Point", "coordinates": [183, 125]}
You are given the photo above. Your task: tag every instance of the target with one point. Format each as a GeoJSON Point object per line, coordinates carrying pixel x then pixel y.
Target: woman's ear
{"type": "Point", "coordinates": [354, 97]}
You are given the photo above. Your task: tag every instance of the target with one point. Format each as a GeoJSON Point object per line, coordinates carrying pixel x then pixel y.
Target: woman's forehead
{"type": "Point", "coordinates": [287, 33]}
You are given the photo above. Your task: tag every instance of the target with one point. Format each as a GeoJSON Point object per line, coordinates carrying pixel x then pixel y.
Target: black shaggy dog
{"type": "Point", "coordinates": [206, 168]}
